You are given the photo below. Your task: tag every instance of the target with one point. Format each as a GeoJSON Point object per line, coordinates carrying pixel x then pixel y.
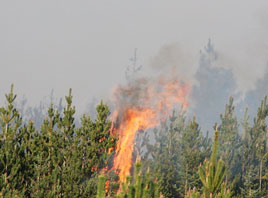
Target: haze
{"type": "Point", "coordinates": [86, 45]}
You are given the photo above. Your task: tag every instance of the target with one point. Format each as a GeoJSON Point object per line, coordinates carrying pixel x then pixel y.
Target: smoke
{"type": "Point", "coordinates": [246, 55]}
{"type": "Point", "coordinates": [159, 93]}
{"type": "Point", "coordinates": [214, 87]}
{"type": "Point", "coordinates": [176, 58]}
{"type": "Point", "coordinates": [216, 73]}
{"type": "Point", "coordinates": [248, 66]}
{"type": "Point", "coordinates": [243, 53]}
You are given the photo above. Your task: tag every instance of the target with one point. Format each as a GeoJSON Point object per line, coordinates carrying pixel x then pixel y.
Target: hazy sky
{"type": "Point", "coordinates": [86, 44]}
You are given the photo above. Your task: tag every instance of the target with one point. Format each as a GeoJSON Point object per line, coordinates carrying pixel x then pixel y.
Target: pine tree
{"type": "Point", "coordinates": [192, 154]}
{"type": "Point", "coordinates": [230, 147]}
{"type": "Point", "coordinates": [260, 129]}
{"type": "Point", "coordinates": [255, 154]}
{"type": "Point", "coordinates": [249, 187]}
{"type": "Point", "coordinates": [29, 147]}
{"type": "Point", "coordinates": [212, 174]}
{"type": "Point", "coordinates": [95, 145]}
{"type": "Point", "coordinates": [166, 156]}
{"type": "Point", "coordinates": [71, 174]}
{"type": "Point", "coordinates": [47, 180]}
{"type": "Point", "coordinates": [139, 186]}
{"type": "Point", "coordinates": [12, 178]}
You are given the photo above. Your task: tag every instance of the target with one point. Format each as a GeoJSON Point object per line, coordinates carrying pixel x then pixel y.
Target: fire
{"type": "Point", "coordinates": [107, 184]}
{"type": "Point", "coordinates": [140, 106]}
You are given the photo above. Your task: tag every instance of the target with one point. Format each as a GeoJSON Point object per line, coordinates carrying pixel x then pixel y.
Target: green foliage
{"type": "Point", "coordinates": [167, 155]}
{"type": "Point", "coordinates": [250, 188]}
{"type": "Point", "coordinates": [211, 173]}
{"type": "Point", "coordinates": [178, 151]}
{"type": "Point", "coordinates": [101, 187]}
{"type": "Point", "coordinates": [65, 160]}
{"type": "Point", "coordinates": [230, 147]}
{"type": "Point", "coordinates": [140, 186]}
{"type": "Point", "coordinates": [255, 154]}
{"type": "Point", "coordinates": [245, 158]}
{"type": "Point", "coordinates": [192, 153]}
{"type": "Point", "coordinates": [11, 155]}
{"type": "Point", "coordinates": [60, 160]}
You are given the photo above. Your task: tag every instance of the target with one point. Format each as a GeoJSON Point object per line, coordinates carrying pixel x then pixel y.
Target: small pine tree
{"type": "Point", "coordinates": [95, 145]}
{"type": "Point", "coordinates": [230, 147]}
{"type": "Point", "coordinates": [212, 174]}
{"type": "Point", "coordinates": [192, 153]}
{"type": "Point", "coordinates": [47, 180]}
{"type": "Point", "coordinates": [260, 128]}
{"type": "Point", "coordinates": [12, 179]}
{"type": "Point", "coordinates": [71, 162]}
{"type": "Point", "coordinates": [166, 157]}
{"type": "Point", "coordinates": [255, 153]}
{"type": "Point", "coordinates": [29, 147]}
{"type": "Point", "coordinates": [140, 186]}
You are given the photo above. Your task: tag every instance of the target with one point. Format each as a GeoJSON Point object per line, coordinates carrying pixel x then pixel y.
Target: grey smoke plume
{"type": "Point", "coordinates": [210, 86]}
{"type": "Point", "coordinates": [178, 58]}
{"type": "Point", "coordinates": [217, 74]}
{"type": "Point", "coordinates": [247, 55]}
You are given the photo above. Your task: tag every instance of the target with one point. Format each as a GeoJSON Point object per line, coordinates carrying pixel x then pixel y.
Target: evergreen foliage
{"type": "Point", "coordinates": [60, 160]}
{"type": "Point", "coordinates": [166, 156]}
{"type": "Point", "coordinates": [63, 159]}
{"type": "Point", "coordinates": [12, 155]}
{"type": "Point", "coordinates": [192, 153]}
{"type": "Point", "coordinates": [230, 147]}
{"type": "Point", "coordinates": [212, 174]}
{"type": "Point", "coordinates": [140, 186]}
{"type": "Point", "coordinates": [179, 150]}
{"type": "Point", "coordinates": [255, 154]}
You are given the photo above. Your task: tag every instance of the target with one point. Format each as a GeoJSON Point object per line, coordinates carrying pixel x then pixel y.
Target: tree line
{"type": "Point", "coordinates": [60, 159]}
{"type": "Point", "coordinates": [181, 149]}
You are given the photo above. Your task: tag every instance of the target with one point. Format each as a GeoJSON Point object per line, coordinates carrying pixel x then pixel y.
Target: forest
{"type": "Point", "coordinates": [133, 99]}
{"type": "Point", "coordinates": [63, 159]}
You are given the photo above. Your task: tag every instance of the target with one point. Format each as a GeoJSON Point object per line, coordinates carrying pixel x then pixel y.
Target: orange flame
{"type": "Point", "coordinates": [153, 102]}
{"type": "Point", "coordinates": [107, 185]}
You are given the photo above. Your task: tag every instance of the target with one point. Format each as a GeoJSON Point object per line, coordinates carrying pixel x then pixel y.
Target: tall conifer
{"type": "Point", "coordinates": [230, 147]}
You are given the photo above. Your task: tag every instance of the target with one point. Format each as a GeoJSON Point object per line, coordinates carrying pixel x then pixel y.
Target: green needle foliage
{"type": "Point", "coordinates": [140, 186]}
{"type": "Point", "coordinates": [166, 157]}
{"type": "Point", "coordinates": [192, 153]}
{"type": "Point", "coordinates": [212, 173]}
{"type": "Point", "coordinates": [230, 147]}
{"type": "Point", "coordinates": [61, 159]}
{"type": "Point", "coordinates": [12, 178]}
